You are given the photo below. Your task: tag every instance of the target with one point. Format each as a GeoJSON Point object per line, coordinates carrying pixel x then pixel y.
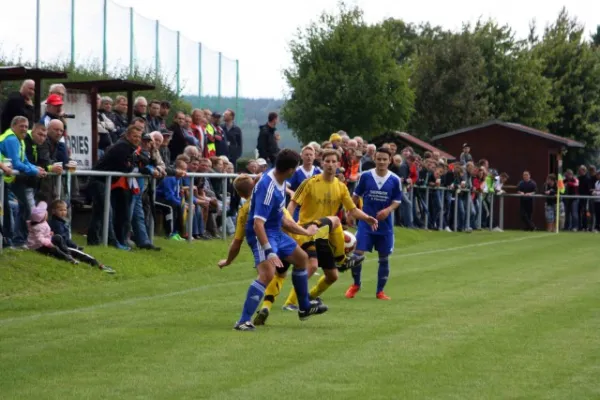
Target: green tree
{"type": "Point", "coordinates": [596, 37]}
{"type": "Point", "coordinates": [516, 89]}
{"type": "Point", "coordinates": [343, 77]}
{"type": "Point", "coordinates": [450, 84]}
{"type": "Point", "coordinates": [573, 66]}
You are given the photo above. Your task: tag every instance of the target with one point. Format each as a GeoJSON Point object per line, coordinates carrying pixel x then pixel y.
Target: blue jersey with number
{"type": "Point", "coordinates": [267, 203]}
{"type": "Point", "coordinates": [378, 192]}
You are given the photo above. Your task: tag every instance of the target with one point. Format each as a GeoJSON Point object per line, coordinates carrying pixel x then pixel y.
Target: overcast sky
{"type": "Point", "coordinates": [254, 32]}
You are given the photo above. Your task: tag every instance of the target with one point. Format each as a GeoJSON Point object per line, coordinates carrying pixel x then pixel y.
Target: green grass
{"type": "Point", "coordinates": [481, 316]}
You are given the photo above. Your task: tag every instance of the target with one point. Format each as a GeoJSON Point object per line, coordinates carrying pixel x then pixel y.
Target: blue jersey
{"type": "Point", "coordinates": [378, 193]}
{"type": "Point", "coordinates": [300, 175]}
{"type": "Point", "coordinates": [267, 203]}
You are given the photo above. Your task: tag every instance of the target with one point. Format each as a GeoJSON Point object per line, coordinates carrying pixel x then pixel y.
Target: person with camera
{"type": "Point", "coordinates": [120, 157]}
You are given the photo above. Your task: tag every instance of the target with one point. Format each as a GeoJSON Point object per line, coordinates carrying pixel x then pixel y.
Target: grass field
{"type": "Point", "coordinates": [482, 316]}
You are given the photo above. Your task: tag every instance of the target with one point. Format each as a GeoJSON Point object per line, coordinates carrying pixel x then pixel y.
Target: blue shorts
{"type": "Point", "coordinates": [366, 241]}
{"type": "Point", "coordinates": [282, 245]}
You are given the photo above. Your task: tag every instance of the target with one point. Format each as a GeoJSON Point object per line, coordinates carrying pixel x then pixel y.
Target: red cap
{"type": "Point", "coordinates": [54, 100]}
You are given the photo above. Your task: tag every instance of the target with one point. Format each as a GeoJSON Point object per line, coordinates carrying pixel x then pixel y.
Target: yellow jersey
{"type": "Point", "coordinates": [319, 198]}
{"type": "Point", "coordinates": [242, 219]}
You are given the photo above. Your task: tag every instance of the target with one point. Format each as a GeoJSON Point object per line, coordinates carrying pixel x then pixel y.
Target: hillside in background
{"type": "Point", "coordinates": [251, 114]}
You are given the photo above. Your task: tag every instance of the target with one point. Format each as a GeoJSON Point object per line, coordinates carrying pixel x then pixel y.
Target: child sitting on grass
{"type": "Point", "coordinates": [57, 223]}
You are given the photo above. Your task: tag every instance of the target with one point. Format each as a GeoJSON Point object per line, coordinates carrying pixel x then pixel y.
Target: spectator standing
{"type": "Point", "coordinates": [163, 114]}
{"type": "Point", "coordinates": [571, 205]}
{"type": "Point", "coordinates": [585, 189]}
{"type": "Point", "coordinates": [12, 147]}
{"type": "Point", "coordinates": [406, 205]}
{"type": "Point", "coordinates": [19, 104]}
{"type": "Point", "coordinates": [153, 120]}
{"type": "Point", "coordinates": [550, 209]}
{"type": "Point", "coordinates": [266, 144]}
{"type": "Point", "coordinates": [234, 136]}
{"type": "Point", "coordinates": [596, 193]}
{"type": "Point", "coordinates": [58, 159]}
{"type": "Point", "coordinates": [119, 115]}
{"type": "Point", "coordinates": [368, 157]}
{"type": "Point", "coordinates": [198, 127]}
{"type": "Point", "coordinates": [140, 108]}
{"type": "Point", "coordinates": [178, 140]}
{"type": "Point", "coordinates": [466, 156]}
{"type": "Point", "coordinates": [54, 104]}
{"type": "Point", "coordinates": [38, 152]}
{"type": "Point", "coordinates": [210, 147]}
{"type": "Point", "coordinates": [221, 141]}
{"type": "Point", "coordinates": [118, 158]}
{"type": "Point", "coordinates": [527, 188]}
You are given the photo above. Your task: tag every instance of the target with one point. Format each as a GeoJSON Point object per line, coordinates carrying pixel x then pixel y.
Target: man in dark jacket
{"type": "Point", "coordinates": [178, 140]}
{"type": "Point", "coordinates": [119, 115]}
{"type": "Point", "coordinates": [234, 136]}
{"type": "Point", "coordinates": [120, 157]}
{"type": "Point", "coordinates": [221, 140]}
{"type": "Point", "coordinates": [267, 144]}
{"type": "Point", "coordinates": [19, 103]}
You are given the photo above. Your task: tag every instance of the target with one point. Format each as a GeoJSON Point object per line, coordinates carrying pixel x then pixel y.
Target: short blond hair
{"type": "Point", "coordinates": [243, 185]}
{"type": "Point", "coordinates": [331, 152]}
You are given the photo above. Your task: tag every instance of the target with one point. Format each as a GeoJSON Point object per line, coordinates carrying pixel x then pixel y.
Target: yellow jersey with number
{"type": "Point", "coordinates": [319, 198]}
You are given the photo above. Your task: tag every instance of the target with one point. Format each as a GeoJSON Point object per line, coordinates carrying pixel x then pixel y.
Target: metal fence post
{"type": "Point", "coordinates": [178, 73]}
{"type": "Point", "coordinates": [156, 51]}
{"type": "Point", "coordinates": [492, 212]}
{"type": "Point", "coordinates": [219, 80]}
{"type": "Point", "coordinates": [456, 210]}
{"type": "Point", "coordinates": [190, 214]}
{"type": "Point", "coordinates": [105, 219]}
{"type": "Point", "coordinates": [105, 34]}
{"type": "Point", "coordinates": [69, 211]}
{"type": "Point", "coordinates": [37, 33]}
{"type": "Point", "coordinates": [200, 72]}
{"type": "Point", "coordinates": [224, 210]}
{"type": "Point", "coordinates": [441, 227]}
{"type": "Point", "coordinates": [152, 222]}
{"type": "Point", "coordinates": [59, 186]}
{"type": "Point", "coordinates": [131, 42]}
{"type": "Point", "coordinates": [501, 213]}
{"type": "Point", "coordinates": [237, 86]}
{"type": "Point", "coordinates": [72, 33]}
{"type": "Point", "coordinates": [427, 208]}
{"type": "Point", "coordinates": [468, 219]}
{"type": "Point", "coordinates": [479, 211]}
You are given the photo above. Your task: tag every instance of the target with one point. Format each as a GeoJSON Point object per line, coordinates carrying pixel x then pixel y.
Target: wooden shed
{"type": "Point", "coordinates": [403, 139]}
{"type": "Point", "coordinates": [511, 148]}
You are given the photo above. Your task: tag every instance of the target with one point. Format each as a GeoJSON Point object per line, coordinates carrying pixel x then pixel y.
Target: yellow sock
{"type": "Point", "coordinates": [336, 238]}
{"type": "Point", "coordinates": [272, 291]}
{"type": "Point", "coordinates": [292, 298]}
{"type": "Point", "coordinates": [319, 288]}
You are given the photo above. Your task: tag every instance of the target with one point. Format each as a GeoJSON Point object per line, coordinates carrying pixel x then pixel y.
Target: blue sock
{"type": "Point", "coordinates": [383, 273]}
{"type": "Point", "coordinates": [255, 294]}
{"type": "Point", "coordinates": [300, 281]}
{"type": "Point", "coordinates": [356, 272]}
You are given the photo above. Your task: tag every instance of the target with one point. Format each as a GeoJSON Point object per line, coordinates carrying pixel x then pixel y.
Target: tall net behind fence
{"type": "Point", "coordinates": [189, 65]}
{"type": "Point", "coordinates": [89, 32]}
{"type": "Point", "coordinates": [55, 31]}
{"type": "Point", "coordinates": [144, 42]}
{"type": "Point", "coordinates": [167, 53]}
{"type": "Point", "coordinates": [210, 72]}
{"type": "Point", "coordinates": [17, 33]}
{"type": "Point", "coordinates": [117, 37]}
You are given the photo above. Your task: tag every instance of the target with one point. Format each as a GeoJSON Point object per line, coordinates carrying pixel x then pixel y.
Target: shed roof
{"type": "Point", "coordinates": [18, 72]}
{"type": "Point", "coordinates": [521, 128]}
{"type": "Point", "coordinates": [423, 145]}
{"type": "Point", "coordinates": [109, 85]}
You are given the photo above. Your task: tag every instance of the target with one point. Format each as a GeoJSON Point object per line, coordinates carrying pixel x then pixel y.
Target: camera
{"type": "Point", "coordinates": [70, 116]}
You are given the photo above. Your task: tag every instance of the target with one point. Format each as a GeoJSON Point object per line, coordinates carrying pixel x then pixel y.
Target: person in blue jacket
{"type": "Point", "coordinates": [169, 200]}
{"type": "Point", "coordinates": [12, 147]}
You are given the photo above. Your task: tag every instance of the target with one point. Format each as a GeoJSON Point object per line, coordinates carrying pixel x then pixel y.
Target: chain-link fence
{"type": "Point", "coordinates": [101, 32]}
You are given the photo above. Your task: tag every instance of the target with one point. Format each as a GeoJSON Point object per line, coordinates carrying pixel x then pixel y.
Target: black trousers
{"type": "Point", "coordinates": [59, 250]}
{"type": "Point", "coordinates": [526, 214]}
{"type": "Point", "coordinates": [121, 202]}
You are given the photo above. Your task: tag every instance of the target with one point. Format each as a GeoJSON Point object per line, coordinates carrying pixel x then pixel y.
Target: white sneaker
{"type": "Point", "coordinates": [497, 229]}
{"type": "Point", "coordinates": [448, 229]}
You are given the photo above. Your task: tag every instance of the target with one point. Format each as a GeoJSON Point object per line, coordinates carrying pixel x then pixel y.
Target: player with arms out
{"type": "Point", "coordinates": [381, 191]}
{"type": "Point", "coordinates": [270, 245]}
{"type": "Point", "coordinates": [319, 197]}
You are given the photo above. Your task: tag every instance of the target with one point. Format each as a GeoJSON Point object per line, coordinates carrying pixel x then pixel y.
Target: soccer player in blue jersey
{"type": "Point", "coordinates": [302, 173]}
{"type": "Point", "coordinates": [270, 245]}
{"type": "Point", "coordinates": [381, 191]}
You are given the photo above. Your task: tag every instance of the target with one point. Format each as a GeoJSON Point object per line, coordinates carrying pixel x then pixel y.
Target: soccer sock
{"type": "Point", "coordinates": [292, 298]}
{"type": "Point", "coordinates": [272, 292]}
{"type": "Point", "coordinates": [319, 288]}
{"type": "Point", "coordinates": [356, 272]}
{"type": "Point", "coordinates": [383, 273]}
{"type": "Point", "coordinates": [253, 298]}
{"type": "Point", "coordinates": [300, 280]}
{"type": "Point", "coordinates": [336, 238]}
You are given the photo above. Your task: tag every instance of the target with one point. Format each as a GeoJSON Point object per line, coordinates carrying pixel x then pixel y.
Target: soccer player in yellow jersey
{"type": "Point", "coordinates": [321, 196]}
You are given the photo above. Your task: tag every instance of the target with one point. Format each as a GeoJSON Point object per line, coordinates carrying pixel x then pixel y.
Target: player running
{"type": "Point", "coordinates": [381, 191]}
{"type": "Point", "coordinates": [270, 245]}
{"type": "Point", "coordinates": [321, 196]}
